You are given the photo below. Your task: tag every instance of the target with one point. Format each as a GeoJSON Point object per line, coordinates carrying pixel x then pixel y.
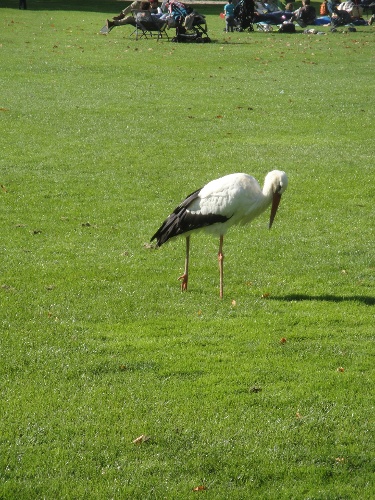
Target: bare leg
{"type": "Point", "coordinates": [221, 259]}
{"type": "Point", "coordinates": [184, 277]}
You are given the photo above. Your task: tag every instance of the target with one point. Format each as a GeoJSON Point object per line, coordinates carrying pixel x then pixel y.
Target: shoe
{"type": "Point", "coordinates": [371, 20]}
{"type": "Point", "coordinates": [110, 24]}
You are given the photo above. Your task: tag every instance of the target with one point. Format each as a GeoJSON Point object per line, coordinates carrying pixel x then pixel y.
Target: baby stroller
{"type": "Point", "coordinates": [190, 25]}
{"type": "Point", "coordinates": [340, 18]}
{"type": "Point", "coordinates": [244, 15]}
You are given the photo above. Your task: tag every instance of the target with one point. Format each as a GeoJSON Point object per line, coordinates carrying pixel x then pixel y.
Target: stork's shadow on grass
{"type": "Point", "coordinates": [299, 297]}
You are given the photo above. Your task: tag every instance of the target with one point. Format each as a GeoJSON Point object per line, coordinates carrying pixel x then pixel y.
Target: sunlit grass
{"type": "Point", "coordinates": [266, 394]}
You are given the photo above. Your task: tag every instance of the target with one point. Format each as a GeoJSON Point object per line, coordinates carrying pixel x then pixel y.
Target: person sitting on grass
{"type": "Point", "coordinates": [342, 14]}
{"type": "Point", "coordinates": [355, 11]}
{"type": "Point", "coordinates": [304, 15]}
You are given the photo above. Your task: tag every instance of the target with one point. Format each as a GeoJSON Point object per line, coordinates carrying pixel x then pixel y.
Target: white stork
{"type": "Point", "coordinates": [232, 199]}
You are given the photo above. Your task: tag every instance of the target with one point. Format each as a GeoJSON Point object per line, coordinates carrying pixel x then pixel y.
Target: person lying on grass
{"type": "Point", "coordinates": [277, 17]}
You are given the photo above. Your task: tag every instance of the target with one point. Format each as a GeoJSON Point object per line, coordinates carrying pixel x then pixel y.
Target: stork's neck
{"type": "Point", "coordinates": [265, 197]}
{"type": "Point", "coordinates": [267, 192]}
{"type": "Point", "coordinates": [259, 204]}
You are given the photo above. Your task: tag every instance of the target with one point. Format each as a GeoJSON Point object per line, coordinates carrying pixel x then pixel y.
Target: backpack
{"type": "Point", "coordinates": [287, 28]}
{"type": "Point", "coordinates": [356, 11]}
{"type": "Point", "coordinates": [323, 9]}
{"type": "Point", "coordinates": [193, 38]}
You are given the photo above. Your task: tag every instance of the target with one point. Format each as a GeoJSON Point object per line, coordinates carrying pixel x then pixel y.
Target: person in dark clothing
{"type": "Point", "coordinates": [304, 15]}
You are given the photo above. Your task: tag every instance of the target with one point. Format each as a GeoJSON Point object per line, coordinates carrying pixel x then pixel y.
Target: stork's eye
{"type": "Point", "coordinates": [279, 187]}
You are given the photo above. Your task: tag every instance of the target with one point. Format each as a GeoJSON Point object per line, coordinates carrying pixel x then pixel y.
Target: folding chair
{"type": "Point", "coordinates": [147, 27]}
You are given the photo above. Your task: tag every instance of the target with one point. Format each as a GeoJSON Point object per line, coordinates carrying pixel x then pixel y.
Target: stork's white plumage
{"type": "Point", "coordinates": [232, 199]}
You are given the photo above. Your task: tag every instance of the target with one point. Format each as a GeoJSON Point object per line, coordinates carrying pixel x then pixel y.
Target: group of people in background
{"type": "Point", "coordinates": [347, 12]}
{"type": "Point", "coordinates": [269, 12]}
{"type": "Point", "coordinates": [332, 12]}
{"type": "Point", "coordinates": [147, 11]}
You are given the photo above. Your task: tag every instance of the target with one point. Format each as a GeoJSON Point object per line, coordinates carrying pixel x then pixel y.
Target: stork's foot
{"type": "Point", "coordinates": [184, 282]}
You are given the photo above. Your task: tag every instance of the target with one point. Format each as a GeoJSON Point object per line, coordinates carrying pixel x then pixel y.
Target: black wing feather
{"type": "Point", "coordinates": [182, 220]}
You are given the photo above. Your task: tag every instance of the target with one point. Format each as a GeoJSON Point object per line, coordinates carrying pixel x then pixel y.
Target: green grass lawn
{"type": "Point", "coordinates": [267, 394]}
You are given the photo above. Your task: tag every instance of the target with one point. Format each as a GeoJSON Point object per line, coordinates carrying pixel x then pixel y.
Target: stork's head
{"type": "Point", "coordinates": [277, 182]}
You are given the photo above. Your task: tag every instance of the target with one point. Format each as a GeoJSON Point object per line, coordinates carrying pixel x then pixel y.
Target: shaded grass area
{"type": "Point", "coordinates": [58, 5]}
{"type": "Point", "coordinates": [266, 394]}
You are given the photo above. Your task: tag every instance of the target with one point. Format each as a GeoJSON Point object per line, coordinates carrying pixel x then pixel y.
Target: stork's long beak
{"type": "Point", "coordinates": [275, 203]}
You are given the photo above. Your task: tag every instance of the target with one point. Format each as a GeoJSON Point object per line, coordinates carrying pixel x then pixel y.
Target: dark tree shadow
{"type": "Point", "coordinates": [105, 6]}
{"type": "Point", "coordinates": [299, 297]}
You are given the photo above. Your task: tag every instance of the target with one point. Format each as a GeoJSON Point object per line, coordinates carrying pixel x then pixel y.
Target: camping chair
{"type": "Point", "coordinates": [147, 27]}
{"type": "Point", "coordinates": [189, 22]}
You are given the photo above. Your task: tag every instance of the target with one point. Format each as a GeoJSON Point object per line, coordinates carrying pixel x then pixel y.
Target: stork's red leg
{"type": "Point", "coordinates": [221, 259]}
{"type": "Point", "coordinates": [184, 277]}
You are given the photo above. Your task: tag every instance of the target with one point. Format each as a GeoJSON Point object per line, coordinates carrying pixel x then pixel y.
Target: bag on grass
{"type": "Point", "coordinates": [287, 28]}
{"type": "Point", "coordinates": [193, 38]}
